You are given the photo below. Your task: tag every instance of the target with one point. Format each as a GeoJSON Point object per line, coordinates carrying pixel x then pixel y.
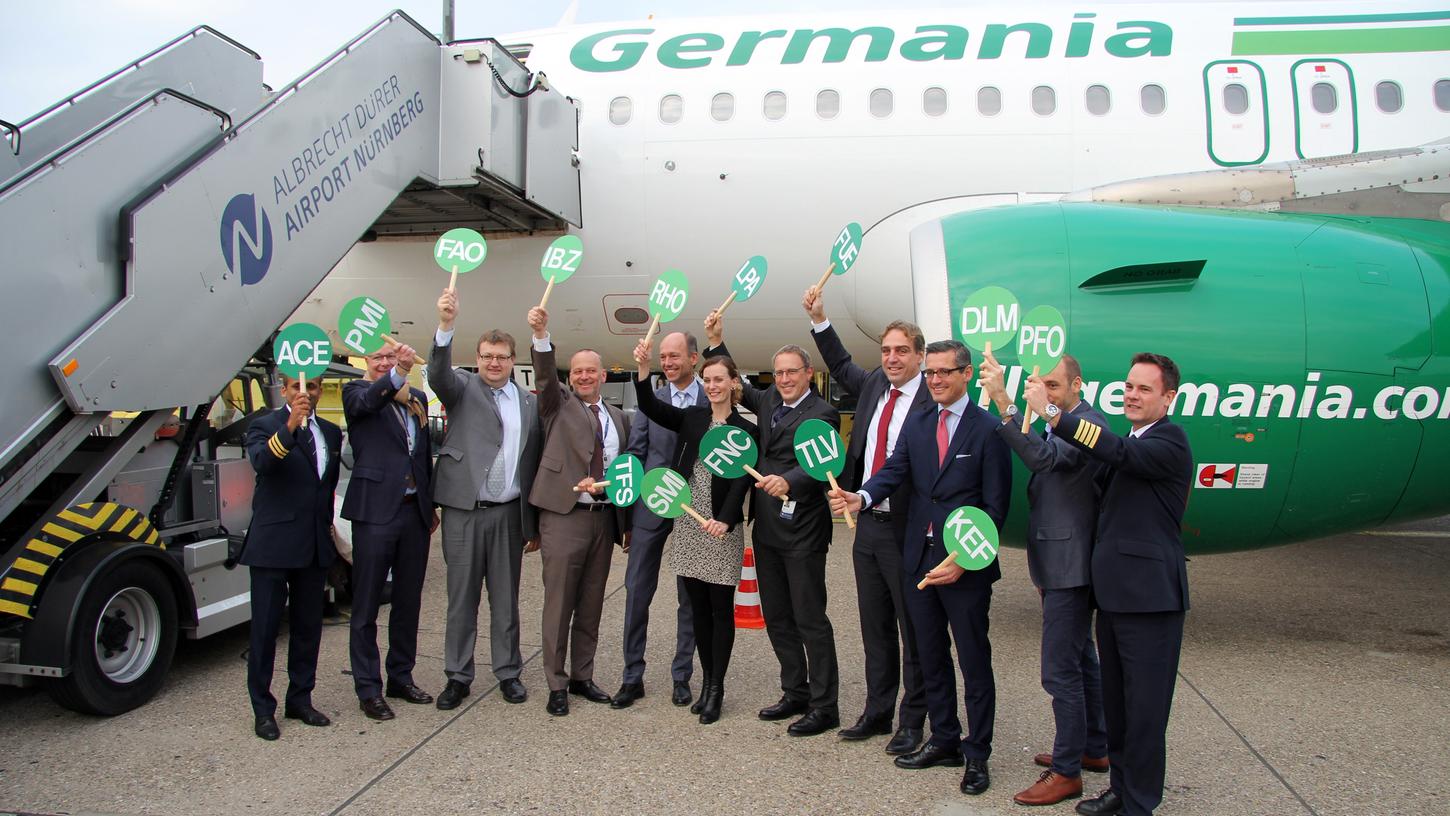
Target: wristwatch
{"type": "Point", "coordinates": [1051, 411]}
{"type": "Point", "coordinates": [1010, 412]}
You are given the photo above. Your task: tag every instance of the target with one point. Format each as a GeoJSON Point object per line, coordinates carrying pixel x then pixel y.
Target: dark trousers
{"type": "Point", "coordinates": [1070, 674]}
{"type": "Point", "coordinates": [886, 633]}
{"type": "Point", "coordinates": [1139, 653]}
{"type": "Point", "coordinates": [793, 601]}
{"type": "Point", "coordinates": [401, 545]}
{"type": "Point", "coordinates": [641, 578]}
{"type": "Point", "coordinates": [575, 549]}
{"type": "Point", "coordinates": [713, 608]}
{"type": "Point", "coordinates": [300, 590]}
{"type": "Point", "coordinates": [940, 614]}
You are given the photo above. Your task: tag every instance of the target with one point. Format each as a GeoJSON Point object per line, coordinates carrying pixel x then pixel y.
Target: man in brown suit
{"type": "Point", "coordinates": [577, 530]}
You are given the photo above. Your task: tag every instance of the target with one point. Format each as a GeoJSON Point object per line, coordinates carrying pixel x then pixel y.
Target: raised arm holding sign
{"type": "Point", "coordinates": [746, 282]}
{"type": "Point", "coordinates": [460, 250]}
{"type": "Point", "coordinates": [971, 541]}
{"type": "Point", "coordinates": [822, 455]}
{"type": "Point", "coordinates": [561, 260]}
{"type": "Point", "coordinates": [302, 350]}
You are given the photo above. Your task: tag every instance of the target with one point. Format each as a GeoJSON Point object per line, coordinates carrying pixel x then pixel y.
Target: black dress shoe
{"type": "Point", "coordinates": [513, 690]}
{"type": "Point", "coordinates": [558, 704]}
{"type": "Point", "coordinates": [627, 694]}
{"type": "Point", "coordinates": [783, 709]}
{"type": "Point", "coordinates": [1105, 804]}
{"type": "Point", "coordinates": [816, 721]}
{"type": "Point", "coordinates": [931, 756]}
{"type": "Point", "coordinates": [409, 693]}
{"type": "Point", "coordinates": [867, 727]}
{"type": "Point", "coordinates": [976, 780]}
{"type": "Point", "coordinates": [681, 695]}
{"type": "Point", "coordinates": [266, 727]}
{"type": "Point", "coordinates": [376, 708]}
{"type": "Point", "coordinates": [308, 715]}
{"type": "Point", "coordinates": [589, 691]}
{"type": "Point", "coordinates": [904, 741]}
{"type": "Point", "coordinates": [452, 695]}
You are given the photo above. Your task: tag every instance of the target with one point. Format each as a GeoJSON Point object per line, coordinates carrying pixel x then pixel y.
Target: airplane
{"type": "Point", "coordinates": [1255, 190]}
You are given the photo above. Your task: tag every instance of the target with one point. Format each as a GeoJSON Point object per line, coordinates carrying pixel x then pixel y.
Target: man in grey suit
{"type": "Point", "coordinates": [1065, 495]}
{"type": "Point", "coordinates": [485, 469]}
{"type": "Point", "coordinates": [654, 445]}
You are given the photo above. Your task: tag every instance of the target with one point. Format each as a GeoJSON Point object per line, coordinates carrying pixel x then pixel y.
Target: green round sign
{"type": "Point", "coordinates": [362, 324]}
{"type": "Point", "coordinates": [665, 493]}
{"type": "Point", "coordinates": [561, 259]}
{"type": "Point", "coordinates": [846, 248]}
{"type": "Point", "coordinates": [990, 315]}
{"type": "Point", "coordinates": [1042, 339]}
{"type": "Point", "coordinates": [747, 281]}
{"type": "Point", "coordinates": [460, 250]}
{"type": "Point", "coordinates": [727, 451]}
{"type": "Point", "coordinates": [971, 538]}
{"type": "Point", "coordinates": [624, 474]}
{"type": "Point", "coordinates": [667, 298]}
{"type": "Point", "coordinates": [302, 350]}
{"type": "Point", "coordinates": [819, 450]}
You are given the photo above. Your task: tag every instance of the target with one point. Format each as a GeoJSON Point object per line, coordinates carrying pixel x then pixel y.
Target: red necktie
{"type": "Point", "coordinates": [943, 439]}
{"type": "Point", "coordinates": [879, 457]}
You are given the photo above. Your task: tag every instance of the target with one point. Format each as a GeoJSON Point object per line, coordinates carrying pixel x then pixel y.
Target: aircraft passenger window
{"type": "Point", "coordinates": [989, 101]}
{"type": "Point", "coordinates": [1099, 101]}
{"type": "Point", "coordinates": [620, 109]}
{"type": "Point", "coordinates": [1152, 99]}
{"type": "Point", "coordinates": [1324, 98]}
{"type": "Point", "coordinates": [1442, 94]}
{"type": "Point", "coordinates": [1235, 98]}
{"type": "Point", "coordinates": [774, 107]}
{"type": "Point", "coordinates": [722, 107]}
{"type": "Point", "coordinates": [934, 101]}
{"type": "Point", "coordinates": [671, 108]}
{"type": "Point", "coordinates": [828, 104]}
{"type": "Point", "coordinates": [1389, 97]}
{"type": "Point", "coordinates": [881, 103]}
{"type": "Point", "coordinates": [1044, 100]}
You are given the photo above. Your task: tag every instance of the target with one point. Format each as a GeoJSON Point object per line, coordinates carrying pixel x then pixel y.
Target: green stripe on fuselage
{"type": "Point", "coordinates": [1356, 19]}
{"type": "Point", "coordinates": [1342, 41]}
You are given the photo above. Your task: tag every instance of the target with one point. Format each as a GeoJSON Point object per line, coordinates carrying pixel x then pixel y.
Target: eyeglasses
{"type": "Point", "coordinates": [787, 372]}
{"type": "Point", "coordinates": [495, 358]}
{"type": "Point", "coordinates": [382, 358]}
{"type": "Point", "coordinates": [943, 373]}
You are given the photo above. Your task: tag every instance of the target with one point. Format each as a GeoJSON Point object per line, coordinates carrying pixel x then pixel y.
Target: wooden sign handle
{"type": "Point", "coordinates": [951, 559]}
{"type": "Point", "coordinates": [821, 284]}
{"type": "Point", "coordinates": [1027, 415]}
{"type": "Point", "coordinates": [548, 290]}
{"type": "Point", "coordinates": [578, 489]}
{"type": "Point", "coordinates": [654, 325]}
{"type": "Point", "coordinates": [453, 279]}
{"type": "Point", "coordinates": [850, 522]}
{"type": "Point", "coordinates": [760, 477]}
{"type": "Point", "coordinates": [302, 386]}
{"type": "Point", "coordinates": [729, 300]}
{"type": "Point", "coordinates": [390, 340]}
{"type": "Point", "coordinates": [696, 516]}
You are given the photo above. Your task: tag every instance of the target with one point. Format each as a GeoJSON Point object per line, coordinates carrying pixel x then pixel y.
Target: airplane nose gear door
{"type": "Point", "coordinates": [1326, 110]}
{"type": "Point", "coordinates": [1238, 119]}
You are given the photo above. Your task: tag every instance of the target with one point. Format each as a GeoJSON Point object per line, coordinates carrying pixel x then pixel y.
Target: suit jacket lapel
{"type": "Point", "coordinates": [958, 440]}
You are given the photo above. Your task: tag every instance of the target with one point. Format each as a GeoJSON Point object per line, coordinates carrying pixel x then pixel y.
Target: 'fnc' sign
{"type": "Point", "coordinates": [246, 237]}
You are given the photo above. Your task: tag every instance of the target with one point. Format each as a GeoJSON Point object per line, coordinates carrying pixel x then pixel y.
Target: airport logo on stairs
{"type": "Point", "coordinates": [246, 237]}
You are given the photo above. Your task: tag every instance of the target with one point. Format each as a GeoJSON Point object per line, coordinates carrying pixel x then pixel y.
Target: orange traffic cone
{"type": "Point", "coordinates": [747, 596]}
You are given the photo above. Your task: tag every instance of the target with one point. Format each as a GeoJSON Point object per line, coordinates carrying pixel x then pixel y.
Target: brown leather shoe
{"type": "Point", "coordinates": [1049, 789]}
{"type": "Point", "coordinates": [1094, 764]}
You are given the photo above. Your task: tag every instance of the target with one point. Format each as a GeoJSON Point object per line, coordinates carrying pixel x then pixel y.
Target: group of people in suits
{"type": "Point", "coordinates": [518, 472]}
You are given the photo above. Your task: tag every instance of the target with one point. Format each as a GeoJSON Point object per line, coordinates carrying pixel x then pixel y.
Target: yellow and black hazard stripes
{"type": "Point", "coordinates": [1087, 434]}
{"type": "Point", "coordinates": [275, 445]}
{"type": "Point", "coordinates": [21, 580]}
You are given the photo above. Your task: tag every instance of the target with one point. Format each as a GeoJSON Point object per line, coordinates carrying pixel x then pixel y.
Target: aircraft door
{"type": "Point", "coordinates": [1235, 100]}
{"type": "Point", "coordinates": [1326, 111]}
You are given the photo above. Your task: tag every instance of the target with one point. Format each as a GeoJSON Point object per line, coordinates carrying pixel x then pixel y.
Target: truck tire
{"type": "Point", "coordinates": [122, 641]}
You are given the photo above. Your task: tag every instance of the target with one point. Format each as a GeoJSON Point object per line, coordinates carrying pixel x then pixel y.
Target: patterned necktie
{"type": "Point", "coordinates": [878, 457]}
{"type": "Point", "coordinates": [780, 412]}
{"type": "Point", "coordinates": [497, 482]}
{"type": "Point", "coordinates": [596, 462]}
{"type": "Point", "coordinates": [943, 438]}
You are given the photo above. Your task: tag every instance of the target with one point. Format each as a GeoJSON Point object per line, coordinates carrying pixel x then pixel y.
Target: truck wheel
{"type": "Point", "coordinates": [122, 641]}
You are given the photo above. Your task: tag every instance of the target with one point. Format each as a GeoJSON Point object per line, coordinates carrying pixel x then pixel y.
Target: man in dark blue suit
{"type": "Point", "coordinates": [389, 502]}
{"type": "Point", "coordinates": [1139, 576]}
{"type": "Point", "coordinates": [953, 457]}
{"type": "Point", "coordinates": [288, 549]}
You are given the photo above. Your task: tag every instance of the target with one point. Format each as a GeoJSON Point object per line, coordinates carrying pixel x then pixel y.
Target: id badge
{"type": "Point", "coordinates": [787, 510]}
